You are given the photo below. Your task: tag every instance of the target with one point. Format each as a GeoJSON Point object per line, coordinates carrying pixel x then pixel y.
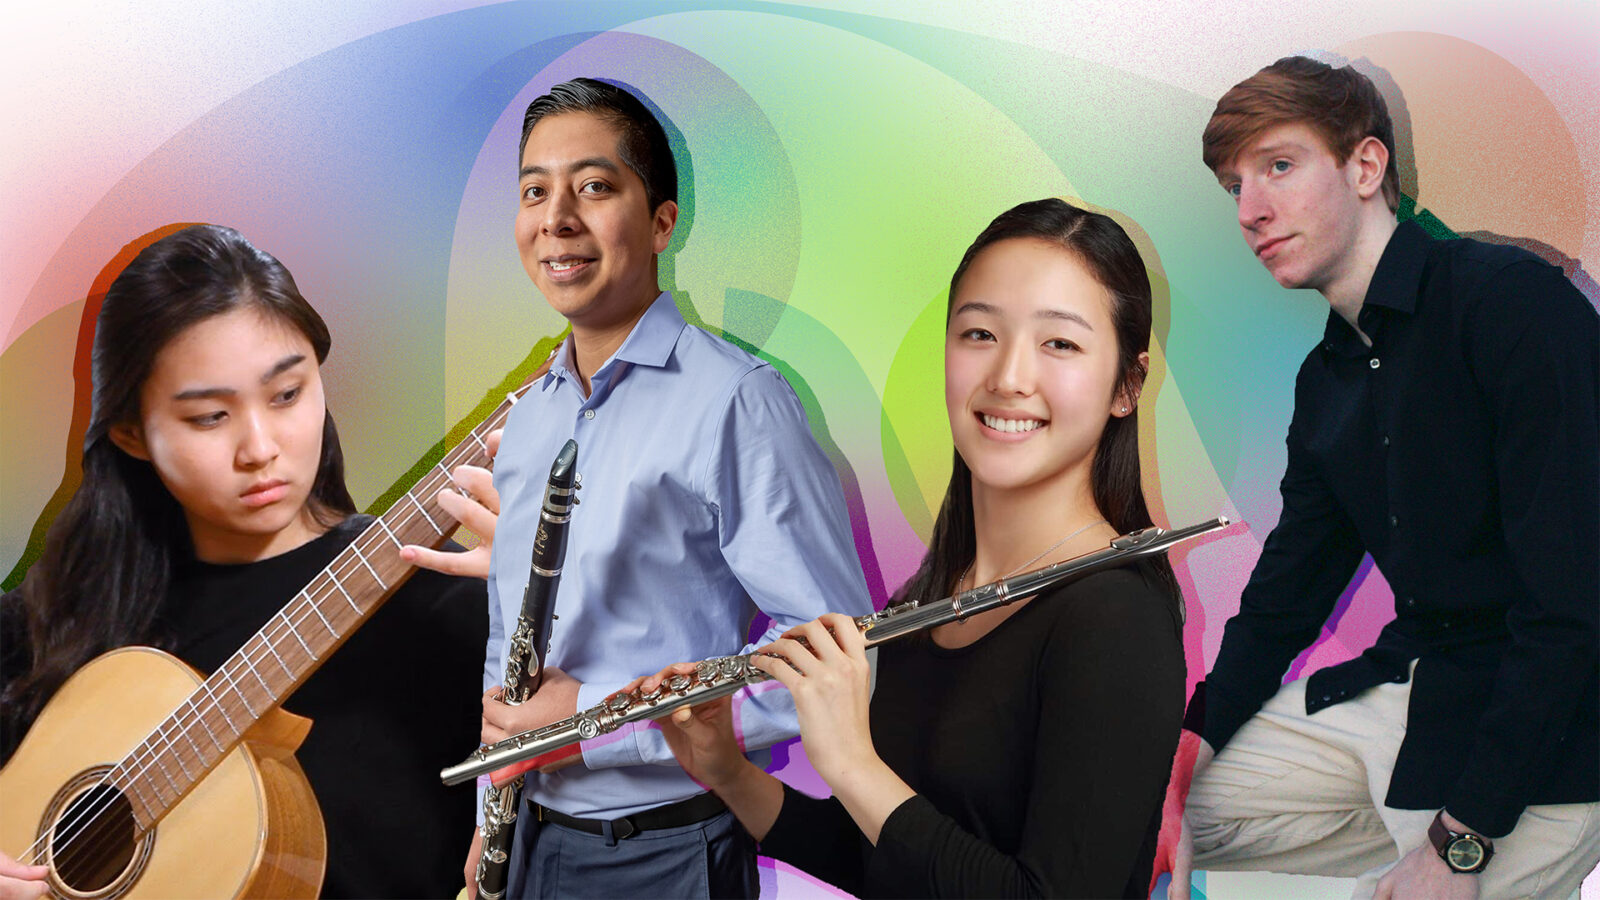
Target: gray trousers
{"type": "Point", "coordinates": [713, 858]}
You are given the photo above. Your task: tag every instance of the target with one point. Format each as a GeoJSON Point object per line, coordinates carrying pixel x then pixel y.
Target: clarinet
{"type": "Point", "coordinates": [725, 675]}
{"type": "Point", "coordinates": [530, 642]}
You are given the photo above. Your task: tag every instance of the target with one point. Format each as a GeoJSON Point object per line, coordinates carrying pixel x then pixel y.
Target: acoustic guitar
{"type": "Point", "coordinates": [143, 778]}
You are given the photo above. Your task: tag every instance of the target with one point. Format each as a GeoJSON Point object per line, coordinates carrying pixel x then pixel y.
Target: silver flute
{"type": "Point", "coordinates": [725, 675]}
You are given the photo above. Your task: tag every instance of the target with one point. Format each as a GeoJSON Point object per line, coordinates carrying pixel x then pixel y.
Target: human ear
{"type": "Point", "coordinates": [665, 220]}
{"type": "Point", "coordinates": [1371, 161]}
{"type": "Point", "coordinates": [129, 438]}
{"type": "Point", "coordinates": [1127, 396]}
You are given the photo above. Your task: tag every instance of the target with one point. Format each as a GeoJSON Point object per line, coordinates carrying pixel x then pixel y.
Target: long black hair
{"type": "Point", "coordinates": [1114, 476]}
{"type": "Point", "coordinates": [108, 558]}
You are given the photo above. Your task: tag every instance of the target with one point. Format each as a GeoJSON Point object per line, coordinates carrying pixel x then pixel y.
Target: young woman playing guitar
{"type": "Point", "coordinates": [213, 491]}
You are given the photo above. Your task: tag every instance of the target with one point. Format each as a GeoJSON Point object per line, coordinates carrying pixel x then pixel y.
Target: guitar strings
{"type": "Point", "coordinates": [136, 765]}
{"type": "Point", "coordinates": [495, 420]}
{"type": "Point", "coordinates": [147, 754]}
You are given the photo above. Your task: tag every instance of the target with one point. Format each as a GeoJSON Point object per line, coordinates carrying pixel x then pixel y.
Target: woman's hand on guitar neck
{"type": "Point", "coordinates": [20, 882]}
{"type": "Point", "coordinates": [476, 505]}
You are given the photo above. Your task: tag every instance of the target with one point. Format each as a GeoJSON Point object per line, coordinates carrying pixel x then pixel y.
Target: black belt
{"type": "Point", "coordinates": [685, 812]}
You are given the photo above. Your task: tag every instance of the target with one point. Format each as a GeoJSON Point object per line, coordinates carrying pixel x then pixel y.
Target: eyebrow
{"type": "Point", "coordinates": [1229, 172]}
{"type": "Point", "coordinates": [978, 306]}
{"type": "Point", "coordinates": [1274, 149]}
{"type": "Point", "coordinates": [278, 368]}
{"type": "Point", "coordinates": [593, 162]}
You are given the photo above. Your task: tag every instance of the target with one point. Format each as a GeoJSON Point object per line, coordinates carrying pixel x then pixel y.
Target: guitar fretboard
{"type": "Point", "coordinates": [278, 658]}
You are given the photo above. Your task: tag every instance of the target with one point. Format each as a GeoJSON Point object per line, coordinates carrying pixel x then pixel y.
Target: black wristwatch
{"type": "Point", "coordinates": [1462, 851]}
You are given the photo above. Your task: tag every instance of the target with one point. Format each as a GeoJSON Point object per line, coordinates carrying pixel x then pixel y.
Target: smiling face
{"type": "Point", "coordinates": [1030, 364]}
{"type": "Point", "coordinates": [584, 227]}
{"type": "Point", "coordinates": [231, 419]}
{"type": "Point", "coordinates": [1300, 208]}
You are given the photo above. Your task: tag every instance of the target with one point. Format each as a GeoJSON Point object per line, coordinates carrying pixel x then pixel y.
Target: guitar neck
{"type": "Point", "coordinates": [277, 659]}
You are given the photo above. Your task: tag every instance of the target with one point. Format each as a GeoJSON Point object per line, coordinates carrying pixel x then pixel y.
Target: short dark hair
{"type": "Point", "coordinates": [641, 141]}
{"type": "Point", "coordinates": [1341, 105]}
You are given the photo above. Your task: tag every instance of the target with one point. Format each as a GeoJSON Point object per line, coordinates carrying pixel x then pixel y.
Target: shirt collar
{"type": "Point", "coordinates": [1394, 286]}
{"type": "Point", "coordinates": [653, 337]}
{"type": "Point", "coordinates": [1398, 277]}
{"type": "Point", "coordinates": [650, 342]}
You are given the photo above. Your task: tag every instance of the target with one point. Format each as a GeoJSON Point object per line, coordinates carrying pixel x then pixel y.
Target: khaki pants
{"type": "Point", "coordinates": [1304, 795]}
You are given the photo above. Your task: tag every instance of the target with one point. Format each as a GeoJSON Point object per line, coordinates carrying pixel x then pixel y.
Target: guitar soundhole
{"type": "Point", "coordinates": [95, 848]}
{"type": "Point", "coordinates": [94, 840]}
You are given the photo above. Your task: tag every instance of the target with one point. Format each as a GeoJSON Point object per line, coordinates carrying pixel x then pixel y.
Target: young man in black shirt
{"type": "Point", "coordinates": [1446, 424]}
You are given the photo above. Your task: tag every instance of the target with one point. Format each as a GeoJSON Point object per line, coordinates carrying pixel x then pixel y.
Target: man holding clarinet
{"type": "Point", "coordinates": [705, 498]}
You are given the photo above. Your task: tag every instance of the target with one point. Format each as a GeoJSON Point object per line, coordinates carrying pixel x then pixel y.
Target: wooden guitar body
{"type": "Point", "coordinates": [249, 828]}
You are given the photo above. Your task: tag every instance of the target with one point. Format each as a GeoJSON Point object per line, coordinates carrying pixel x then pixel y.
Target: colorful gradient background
{"type": "Point", "coordinates": [835, 161]}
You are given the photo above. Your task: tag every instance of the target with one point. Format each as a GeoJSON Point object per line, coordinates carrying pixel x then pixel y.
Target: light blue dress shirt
{"type": "Point", "coordinates": [705, 498]}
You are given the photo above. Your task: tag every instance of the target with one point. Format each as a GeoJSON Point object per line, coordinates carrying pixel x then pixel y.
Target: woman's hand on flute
{"type": "Point", "coordinates": [824, 665]}
{"type": "Point", "coordinates": [702, 739]}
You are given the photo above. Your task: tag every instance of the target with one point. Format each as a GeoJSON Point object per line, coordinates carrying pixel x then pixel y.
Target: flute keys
{"type": "Point", "coordinates": [731, 667]}
{"type": "Point", "coordinates": [706, 671]}
{"type": "Point", "coordinates": [619, 703]}
{"type": "Point", "coordinates": [678, 684]}
{"type": "Point", "coordinates": [588, 729]}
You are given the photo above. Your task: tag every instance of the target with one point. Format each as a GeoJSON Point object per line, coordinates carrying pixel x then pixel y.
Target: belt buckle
{"type": "Point", "coordinates": [614, 830]}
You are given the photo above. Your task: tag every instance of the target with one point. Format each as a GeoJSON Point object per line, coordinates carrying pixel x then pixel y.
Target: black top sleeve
{"type": "Point", "coordinates": [819, 837]}
{"type": "Point", "coordinates": [1305, 564]}
{"type": "Point", "coordinates": [1532, 342]}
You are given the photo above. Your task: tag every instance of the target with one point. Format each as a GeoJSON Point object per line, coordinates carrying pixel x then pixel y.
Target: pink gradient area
{"type": "Point", "coordinates": [1491, 151]}
{"type": "Point", "coordinates": [798, 773]}
{"type": "Point", "coordinates": [779, 879]}
{"type": "Point", "coordinates": [1212, 574]}
{"type": "Point", "coordinates": [895, 545]}
{"type": "Point", "coordinates": [1362, 611]}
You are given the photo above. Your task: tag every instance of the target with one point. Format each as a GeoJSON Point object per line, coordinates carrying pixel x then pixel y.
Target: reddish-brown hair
{"type": "Point", "coordinates": [1341, 105]}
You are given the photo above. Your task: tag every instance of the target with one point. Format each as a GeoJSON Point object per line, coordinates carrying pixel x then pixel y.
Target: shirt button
{"type": "Point", "coordinates": [1373, 362]}
{"type": "Point", "coordinates": [1394, 521]}
{"type": "Point", "coordinates": [1386, 440]}
{"type": "Point", "coordinates": [588, 414]}
{"type": "Point", "coordinates": [1411, 602]}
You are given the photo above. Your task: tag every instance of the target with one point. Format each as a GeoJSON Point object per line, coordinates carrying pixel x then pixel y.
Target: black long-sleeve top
{"type": "Point", "coordinates": [395, 703]}
{"type": "Point", "coordinates": [1039, 754]}
{"type": "Point", "coordinates": [1461, 451]}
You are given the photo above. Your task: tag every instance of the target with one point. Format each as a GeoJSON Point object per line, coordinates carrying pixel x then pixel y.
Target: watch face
{"type": "Point", "coordinates": [1464, 854]}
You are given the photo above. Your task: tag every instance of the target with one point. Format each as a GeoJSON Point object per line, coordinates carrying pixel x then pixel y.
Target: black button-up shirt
{"type": "Point", "coordinates": [1461, 450]}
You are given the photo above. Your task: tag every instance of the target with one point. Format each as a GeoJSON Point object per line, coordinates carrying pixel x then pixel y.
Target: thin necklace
{"type": "Point", "coordinates": [968, 570]}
